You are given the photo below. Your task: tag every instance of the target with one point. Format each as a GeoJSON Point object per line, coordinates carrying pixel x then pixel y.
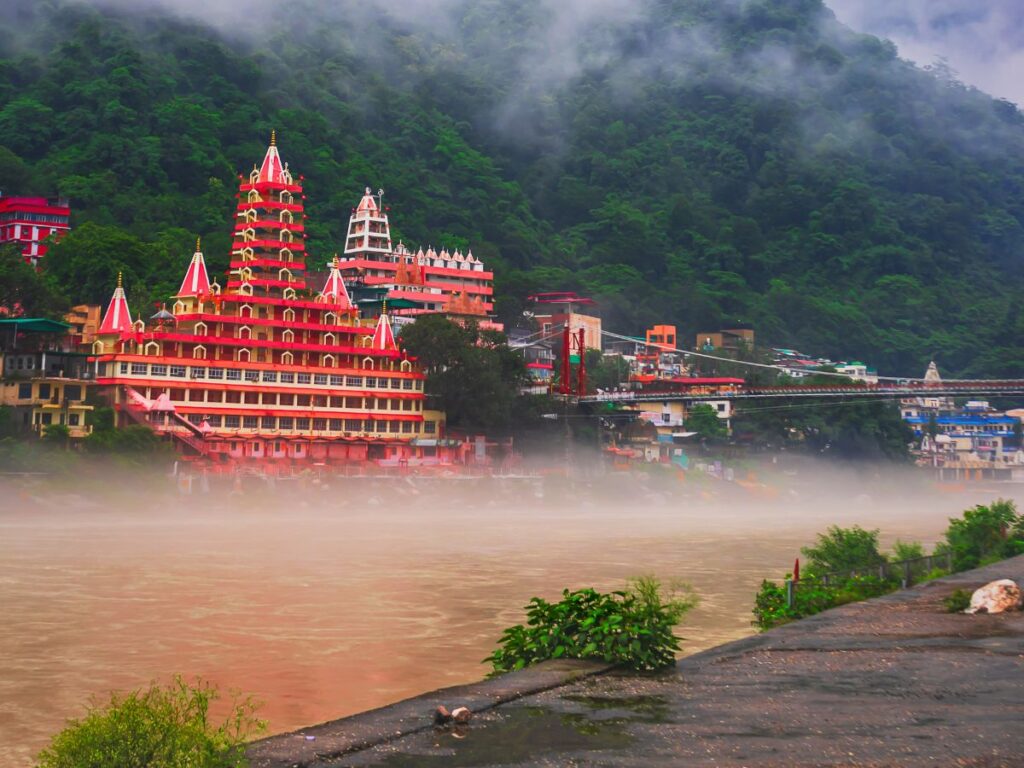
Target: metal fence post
{"type": "Point", "coordinates": [949, 560]}
{"type": "Point", "coordinates": [789, 593]}
{"type": "Point", "coordinates": [906, 574]}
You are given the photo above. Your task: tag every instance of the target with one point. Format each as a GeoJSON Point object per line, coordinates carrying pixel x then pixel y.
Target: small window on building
{"type": "Point", "coordinates": [216, 373]}
{"type": "Point", "coordinates": [304, 378]}
{"type": "Point", "coordinates": [302, 425]}
{"type": "Point", "coordinates": [286, 422]}
{"type": "Point", "coordinates": [73, 419]}
{"type": "Point", "coordinates": [429, 427]}
{"type": "Point", "coordinates": [270, 422]}
{"type": "Point", "coordinates": [250, 422]}
{"type": "Point", "coordinates": [231, 422]}
{"type": "Point", "coordinates": [139, 369]}
{"type": "Point", "coordinates": [72, 392]}
{"type": "Point", "coordinates": [270, 376]}
{"type": "Point", "coordinates": [287, 378]}
{"type": "Point", "coordinates": [177, 371]}
{"type": "Point", "coordinates": [320, 379]}
{"type": "Point", "coordinates": [355, 381]}
{"type": "Point", "coordinates": [25, 391]}
{"type": "Point", "coordinates": [252, 376]}
{"type": "Point", "coordinates": [158, 370]}
{"type": "Point", "coordinates": [47, 418]}
{"type": "Point", "coordinates": [335, 425]}
{"type": "Point", "coordinates": [320, 424]}
{"type": "Point", "coordinates": [337, 381]}
{"type": "Point", "coordinates": [44, 391]}
{"type": "Point", "coordinates": [198, 372]}
{"type": "Point", "coordinates": [234, 374]}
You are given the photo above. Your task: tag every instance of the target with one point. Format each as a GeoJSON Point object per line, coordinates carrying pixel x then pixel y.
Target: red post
{"type": "Point", "coordinates": [796, 570]}
{"type": "Point", "coordinates": [581, 372]}
{"type": "Point", "coordinates": [563, 386]}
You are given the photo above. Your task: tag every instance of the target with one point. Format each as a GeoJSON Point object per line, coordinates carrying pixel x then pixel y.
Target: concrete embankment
{"type": "Point", "coordinates": [894, 681]}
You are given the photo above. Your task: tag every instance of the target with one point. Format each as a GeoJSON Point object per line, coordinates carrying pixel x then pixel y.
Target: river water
{"type": "Point", "coordinates": [327, 604]}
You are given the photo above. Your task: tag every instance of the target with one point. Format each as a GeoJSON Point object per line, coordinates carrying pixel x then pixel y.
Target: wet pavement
{"type": "Point", "coordinates": [894, 681]}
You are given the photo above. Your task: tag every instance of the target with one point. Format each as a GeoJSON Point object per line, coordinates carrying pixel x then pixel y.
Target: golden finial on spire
{"type": "Point", "coordinates": [337, 261]}
{"type": "Point", "coordinates": [273, 137]}
{"type": "Point", "coordinates": [118, 279]}
{"type": "Point", "coordinates": [384, 307]}
{"type": "Point", "coordinates": [198, 239]}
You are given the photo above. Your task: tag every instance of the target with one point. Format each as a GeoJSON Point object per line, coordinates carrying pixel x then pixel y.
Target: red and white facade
{"type": "Point", "coordinates": [262, 369]}
{"type": "Point", "coordinates": [455, 284]}
{"type": "Point", "coordinates": [30, 220]}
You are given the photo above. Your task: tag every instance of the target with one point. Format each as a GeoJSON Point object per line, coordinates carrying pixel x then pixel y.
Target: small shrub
{"type": "Point", "coordinates": [985, 534]}
{"type": "Point", "coordinates": [632, 627]}
{"type": "Point", "coordinates": [906, 550]}
{"type": "Point", "coordinates": [843, 549]}
{"type": "Point", "coordinates": [934, 573]}
{"type": "Point", "coordinates": [57, 434]}
{"type": "Point", "coordinates": [811, 597]}
{"type": "Point", "coordinates": [958, 601]}
{"type": "Point", "coordinates": [158, 727]}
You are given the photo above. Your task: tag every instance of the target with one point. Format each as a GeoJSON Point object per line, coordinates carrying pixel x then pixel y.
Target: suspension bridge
{"type": "Point", "coordinates": [574, 386]}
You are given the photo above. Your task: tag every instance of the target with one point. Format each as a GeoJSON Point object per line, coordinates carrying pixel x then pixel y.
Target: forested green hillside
{"type": "Point", "coordinates": [703, 162]}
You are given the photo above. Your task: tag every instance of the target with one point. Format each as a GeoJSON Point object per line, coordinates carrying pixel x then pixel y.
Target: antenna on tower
{"type": "Point", "coordinates": [380, 200]}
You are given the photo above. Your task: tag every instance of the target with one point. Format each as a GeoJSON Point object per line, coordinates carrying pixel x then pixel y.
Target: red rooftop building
{"type": "Point", "coordinates": [30, 220]}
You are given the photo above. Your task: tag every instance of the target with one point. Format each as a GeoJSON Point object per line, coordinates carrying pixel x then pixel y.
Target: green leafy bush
{"type": "Point", "coordinates": [958, 601]}
{"type": "Point", "coordinates": [631, 627]}
{"type": "Point", "coordinates": [906, 550]}
{"type": "Point", "coordinates": [158, 727]}
{"type": "Point", "coordinates": [843, 549]}
{"type": "Point", "coordinates": [985, 534]}
{"type": "Point", "coordinates": [811, 597]}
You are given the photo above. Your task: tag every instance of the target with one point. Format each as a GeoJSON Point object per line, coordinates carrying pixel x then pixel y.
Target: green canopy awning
{"type": "Point", "coordinates": [34, 325]}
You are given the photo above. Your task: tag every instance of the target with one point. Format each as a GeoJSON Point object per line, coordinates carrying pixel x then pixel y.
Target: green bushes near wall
{"type": "Point", "coordinates": [983, 534]}
{"type": "Point", "coordinates": [157, 727]}
{"type": "Point", "coordinates": [632, 627]}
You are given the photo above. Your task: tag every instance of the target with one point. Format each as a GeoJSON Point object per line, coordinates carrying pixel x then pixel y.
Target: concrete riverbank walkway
{"type": "Point", "coordinates": [893, 681]}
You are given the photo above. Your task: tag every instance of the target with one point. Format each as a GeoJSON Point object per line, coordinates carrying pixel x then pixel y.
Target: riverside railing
{"type": "Point", "coordinates": [907, 570]}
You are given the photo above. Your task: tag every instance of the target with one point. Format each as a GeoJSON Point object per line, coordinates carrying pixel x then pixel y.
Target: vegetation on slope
{"type": "Point", "coordinates": [691, 161]}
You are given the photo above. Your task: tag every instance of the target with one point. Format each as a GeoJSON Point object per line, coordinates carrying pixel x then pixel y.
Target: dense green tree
{"type": "Point", "coordinates": [703, 420]}
{"type": "Point", "coordinates": [26, 291]}
{"type": "Point", "coordinates": [472, 375]}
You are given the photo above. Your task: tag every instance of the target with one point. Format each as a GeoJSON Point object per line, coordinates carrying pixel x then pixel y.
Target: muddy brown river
{"type": "Point", "coordinates": [325, 605]}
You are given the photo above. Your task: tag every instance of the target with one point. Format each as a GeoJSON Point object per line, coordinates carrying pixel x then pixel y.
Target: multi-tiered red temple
{"type": "Point", "coordinates": [263, 368]}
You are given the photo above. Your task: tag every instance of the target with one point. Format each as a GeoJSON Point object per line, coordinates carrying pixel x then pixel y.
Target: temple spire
{"type": "Point", "coordinates": [117, 318]}
{"type": "Point", "coordinates": [383, 336]}
{"type": "Point", "coordinates": [197, 281]}
{"type": "Point", "coordinates": [272, 169]}
{"type": "Point", "coordinates": [334, 289]}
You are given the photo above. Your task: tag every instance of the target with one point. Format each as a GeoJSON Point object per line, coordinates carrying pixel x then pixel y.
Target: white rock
{"type": "Point", "coordinates": [996, 597]}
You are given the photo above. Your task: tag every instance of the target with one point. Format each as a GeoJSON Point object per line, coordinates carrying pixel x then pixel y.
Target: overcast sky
{"type": "Point", "coordinates": [983, 40]}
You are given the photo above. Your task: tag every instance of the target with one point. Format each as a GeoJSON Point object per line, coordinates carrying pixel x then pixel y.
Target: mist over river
{"type": "Point", "coordinates": [326, 602]}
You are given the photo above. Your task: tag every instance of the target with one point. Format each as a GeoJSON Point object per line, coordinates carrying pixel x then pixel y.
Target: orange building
{"type": "Point", "coordinates": [254, 370]}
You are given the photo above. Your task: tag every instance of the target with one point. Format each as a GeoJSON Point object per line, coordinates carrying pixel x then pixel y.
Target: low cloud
{"type": "Point", "coordinates": [982, 40]}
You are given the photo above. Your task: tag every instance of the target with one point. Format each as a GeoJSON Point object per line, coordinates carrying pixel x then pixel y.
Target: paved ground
{"type": "Point", "coordinates": [894, 681]}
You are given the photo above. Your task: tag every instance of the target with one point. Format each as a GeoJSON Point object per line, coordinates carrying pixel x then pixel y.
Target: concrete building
{"type": "Point", "coordinates": [29, 221]}
{"type": "Point", "coordinates": [43, 382]}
